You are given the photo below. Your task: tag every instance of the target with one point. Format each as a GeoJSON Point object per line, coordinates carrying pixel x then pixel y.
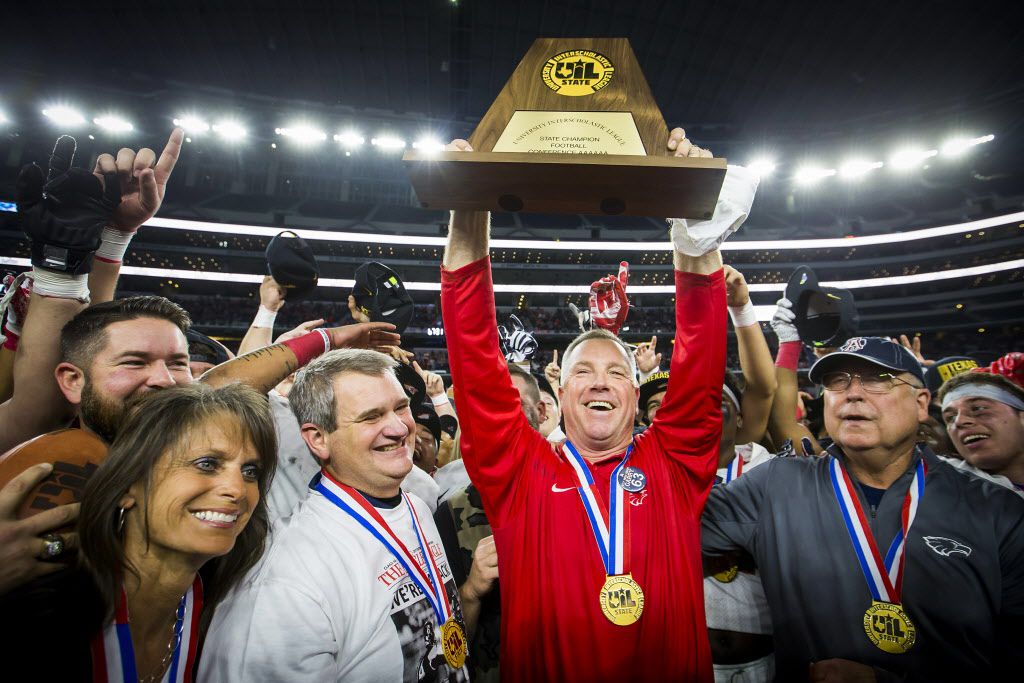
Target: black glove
{"type": "Point", "coordinates": [517, 345]}
{"type": "Point", "coordinates": [64, 217]}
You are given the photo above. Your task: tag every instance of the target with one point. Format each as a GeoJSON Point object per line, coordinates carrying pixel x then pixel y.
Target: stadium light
{"type": "Point", "coordinates": [910, 157]}
{"type": "Point", "coordinates": [809, 175]}
{"type": "Point", "coordinates": [762, 166]}
{"type": "Point", "coordinates": [858, 168]}
{"type": "Point", "coordinates": [388, 143]}
{"type": "Point", "coordinates": [350, 139]}
{"type": "Point", "coordinates": [958, 146]}
{"type": "Point", "coordinates": [302, 133]}
{"type": "Point", "coordinates": [64, 116]}
{"type": "Point", "coordinates": [3, 117]}
{"type": "Point", "coordinates": [191, 124]}
{"type": "Point", "coordinates": [428, 144]}
{"type": "Point", "coordinates": [113, 123]}
{"type": "Point", "coordinates": [230, 130]}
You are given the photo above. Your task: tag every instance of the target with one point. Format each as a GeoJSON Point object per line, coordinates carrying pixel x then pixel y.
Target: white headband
{"type": "Point", "coordinates": [726, 391]}
{"type": "Point", "coordinates": [979, 390]}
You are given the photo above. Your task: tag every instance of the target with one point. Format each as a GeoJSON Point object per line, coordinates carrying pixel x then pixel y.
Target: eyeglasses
{"type": "Point", "coordinates": [876, 383]}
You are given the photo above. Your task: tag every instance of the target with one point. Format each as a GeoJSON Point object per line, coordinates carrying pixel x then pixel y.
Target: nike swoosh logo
{"type": "Point", "coordinates": [559, 489]}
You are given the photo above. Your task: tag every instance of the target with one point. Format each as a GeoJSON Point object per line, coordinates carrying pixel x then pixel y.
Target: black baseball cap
{"type": "Point", "coordinates": [203, 349]}
{"type": "Point", "coordinates": [947, 368]}
{"type": "Point", "coordinates": [290, 261]}
{"type": "Point", "coordinates": [654, 384]}
{"type": "Point", "coordinates": [412, 383]}
{"type": "Point", "coordinates": [424, 415]}
{"type": "Point", "coordinates": [381, 294]}
{"type": "Point", "coordinates": [877, 350]}
{"type": "Point", "coordinates": [825, 316]}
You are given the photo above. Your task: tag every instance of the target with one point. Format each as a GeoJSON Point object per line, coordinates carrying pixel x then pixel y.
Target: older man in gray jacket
{"type": "Point", "coordinates": [880, 561]}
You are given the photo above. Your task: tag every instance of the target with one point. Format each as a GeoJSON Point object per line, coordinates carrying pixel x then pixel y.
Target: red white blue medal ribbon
{"type": "Point", "coordinates": [734, 469]}
{"type": "Point", "coordinates": [610, 535]}
{"type": "Point", "coordinates": [113, 654]}
{"type": "Point", "coordinates": [884, 577]}
{"type": "Point", "coordinates": [351, 502]}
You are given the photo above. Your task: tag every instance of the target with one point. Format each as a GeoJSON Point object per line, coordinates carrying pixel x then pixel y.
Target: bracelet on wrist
{"type": "Point", "coordinates": [743, 316]}
{"type": "Point", "coordinates": [264, 317]}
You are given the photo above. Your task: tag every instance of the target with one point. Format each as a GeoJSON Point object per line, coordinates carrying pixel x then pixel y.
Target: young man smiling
{"type": "Point", "coordinates": [984, 416]}
{"type": "Point", "coordinates": [600, 573]}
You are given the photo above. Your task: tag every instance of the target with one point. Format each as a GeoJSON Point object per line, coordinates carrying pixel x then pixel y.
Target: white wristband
{"type": "Point", "coordinates": [645, 375]}
{"type": "Point", "coordinates": [743, 316]}
{"type": "Point", "coordinates": [264, 317]}
{"type": "Point", "coordinates": [113, 244]}
{"type": "Point", "coordinates": [439, 400]}
{"type": "Point", "coordinates": [326, 337]}
{"type": "Point", "coordinates": [60, 285]}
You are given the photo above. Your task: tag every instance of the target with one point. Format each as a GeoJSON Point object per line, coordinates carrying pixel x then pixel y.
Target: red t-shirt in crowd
{"type": "Point", "coordinates": [550, 569]}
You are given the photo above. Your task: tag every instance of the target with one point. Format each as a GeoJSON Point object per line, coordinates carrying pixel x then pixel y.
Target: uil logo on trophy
{"type": "Point", "coordinates": [577, 72]}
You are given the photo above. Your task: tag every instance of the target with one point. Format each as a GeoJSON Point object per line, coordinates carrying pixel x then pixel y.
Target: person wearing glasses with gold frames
{"type": "Point", "coordinates": [880, 561]}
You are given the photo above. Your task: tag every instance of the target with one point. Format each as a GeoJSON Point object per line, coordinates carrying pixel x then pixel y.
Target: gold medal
{"type": "Point", "coordinates": [889, 628]}
{"type": "Point", "coordinates": [726, 575]}
{"type": "Point", "coordinates": [453, 644]}
{"type": "Point", "coordinates": [622, 599]}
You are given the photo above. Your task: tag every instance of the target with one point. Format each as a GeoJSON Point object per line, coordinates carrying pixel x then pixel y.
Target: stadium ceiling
{"type": "Point", "coordinates": [760, 71]}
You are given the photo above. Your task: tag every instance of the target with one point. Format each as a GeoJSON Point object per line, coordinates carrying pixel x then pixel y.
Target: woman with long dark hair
{"type": "Point", "coordinates": [182, 489]}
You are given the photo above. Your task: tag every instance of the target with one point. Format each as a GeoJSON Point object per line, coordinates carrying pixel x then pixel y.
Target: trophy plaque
{"type": "Point", "coordinates": [574, 130]}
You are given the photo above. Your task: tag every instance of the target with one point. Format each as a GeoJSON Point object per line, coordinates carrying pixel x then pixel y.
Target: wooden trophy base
{"type": "Point", "coordinates": [663, 187]}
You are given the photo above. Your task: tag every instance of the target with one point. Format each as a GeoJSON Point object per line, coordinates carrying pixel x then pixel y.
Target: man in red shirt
{"type": "Point", "coordinates": [598, 540]}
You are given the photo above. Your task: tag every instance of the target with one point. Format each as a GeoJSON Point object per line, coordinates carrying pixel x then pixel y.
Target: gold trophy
{"type": "Point", "coordinates": [574, 130]}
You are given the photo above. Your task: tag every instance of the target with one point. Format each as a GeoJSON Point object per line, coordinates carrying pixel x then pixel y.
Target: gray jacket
{"type": "Point", "coordinates": [963, 584]}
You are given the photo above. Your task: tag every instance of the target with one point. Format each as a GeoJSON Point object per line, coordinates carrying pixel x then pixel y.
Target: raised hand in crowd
{"type": "Point", "coordinates": [435, 390]}
{"type": "Point", "coordinates": [261, 331]}
{"type": "Point", "coordinates": [398, 353]}
{"type": "Point", "coordinates": [14, 296]}
{"type": "Point", "coordinates": [553, 373]}
{"type": "Point", "coordinates": [914, 346]}
{"type": "Point", "coordinates": [483, 575]}
{"type": "Point", "coordinates": [63, 214]}
{"type": "Point", "coordinates": [299, 330]}
{"type": "Point", "coordinates": [142, 178]}
{"type": "Point", "coordinates": [357, 314]}
{"type": "Point", "coordinates": [265, 368]}
{"type": "Point", "coordinates": [648, 360]}
{"type": "Point", "coordinates": [760, 383]}
{"type": "Point", "coordinates": [782, 424]}
{"type": "Point", "coordinates": [26, 552]}
{"type": "Point", "coordinates": [608, 303]}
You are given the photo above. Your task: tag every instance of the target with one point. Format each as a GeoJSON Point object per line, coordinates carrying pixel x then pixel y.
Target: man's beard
{"type": "Point", "coordinates": [100, 415]}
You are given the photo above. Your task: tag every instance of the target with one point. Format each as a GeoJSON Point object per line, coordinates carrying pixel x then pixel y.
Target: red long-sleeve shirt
{"type": "Point", "coordinates": [550, 569]}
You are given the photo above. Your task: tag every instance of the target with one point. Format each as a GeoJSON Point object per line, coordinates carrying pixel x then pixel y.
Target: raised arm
{"type": "Point", "coordinates": [261, 331]}
{"type": "Point", "coordinates": [265, 368]}
{"type": "Point", "coordinates": [63, 214]}
{"type": "Point", "coordinates": [688, 424]}
{"type": "Point", "coordinates": [782, 424]}
{"type": "Point", "coordinates": [494, 428]}
{"type": "Point", "coordinates": [468, 231]}
{"type": "Point", "coordinates": [755, 360]}
{"type": "Point", "coordinates": [143, 180]}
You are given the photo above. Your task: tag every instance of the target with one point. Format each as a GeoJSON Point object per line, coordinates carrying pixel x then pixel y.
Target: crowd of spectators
{"type": "Point", "coordinates": [327, 502]}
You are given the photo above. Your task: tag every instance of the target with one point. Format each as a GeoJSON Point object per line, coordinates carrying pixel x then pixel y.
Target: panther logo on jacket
{"type": "Point", "coordinates": [946, 546]}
